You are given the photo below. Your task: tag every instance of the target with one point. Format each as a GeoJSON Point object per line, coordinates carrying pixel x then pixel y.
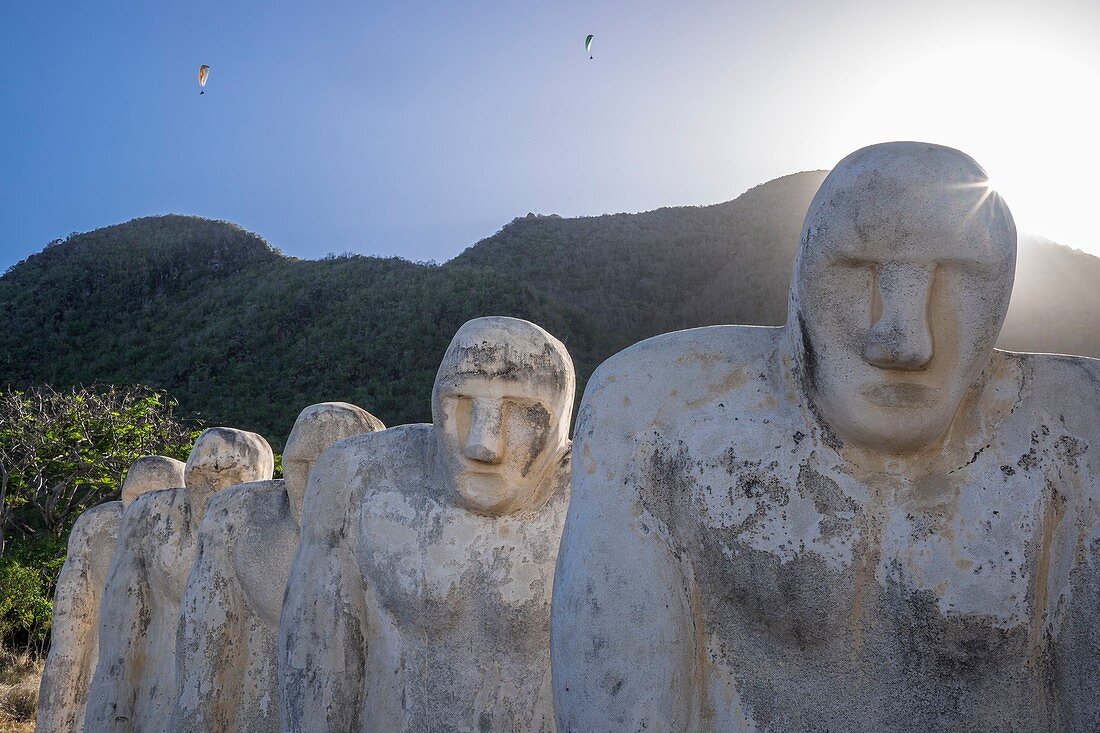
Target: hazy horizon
{"type": "Point", "coordinates": [416, 129]}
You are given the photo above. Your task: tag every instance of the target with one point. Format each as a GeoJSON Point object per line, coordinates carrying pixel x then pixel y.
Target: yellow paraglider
{"type": "Point", "coordinates": [204, 71]}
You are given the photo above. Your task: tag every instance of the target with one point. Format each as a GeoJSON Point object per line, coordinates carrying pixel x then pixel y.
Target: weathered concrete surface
{"type": "Point", "coordinates": [229, 617]}
{"type": "Point", "coordinates": [74, 633]}
{"type": "Point", "coordinates": [420, 592]}
{"type": "Point", "coordinates": [134, 686]}
{"type": "Point", "coordinates": [866, 520]}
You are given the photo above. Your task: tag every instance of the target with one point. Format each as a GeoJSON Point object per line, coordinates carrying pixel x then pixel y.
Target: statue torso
{"type": "Point", "coordinates": [167, 546]}
{"type": "Point", "coordinates": [458, 607]}
{"type": "Point", "coordinates": [865, 596]}
{"type": "Point", "coordinates": [264, 538]}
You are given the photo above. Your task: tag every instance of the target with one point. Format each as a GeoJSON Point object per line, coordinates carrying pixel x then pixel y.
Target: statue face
{"type": "Point", "coordinates": [296, 468]}
{"type": "Point", "coordinates": [224, 457]}
{"type": "Point", "coordinates": [902, 284]}
{"type": "Point", "coordinates": [495, 437]}
{"type": "Point", "coordinates": [501, 409]}
{"type": "Point", "coordinates": [151, 473]}
{"type": "Point", "coordinates": [317, 428]}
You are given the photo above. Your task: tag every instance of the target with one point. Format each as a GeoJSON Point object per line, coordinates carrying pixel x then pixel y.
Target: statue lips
{"type": "Point", "coordinates": [483, 479]}
{"type": "Point", "coordinates": [900, 394]}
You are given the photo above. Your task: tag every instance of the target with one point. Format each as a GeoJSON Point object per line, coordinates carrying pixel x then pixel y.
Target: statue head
{"type": "Point", "coordinates": [501, 405]}
{"type": "Point", "coordinates": [151, 473]}
{"type": "Point", "coordinates": [900, 287]}
{"type": "Point", "coordinates": [318, 427]}
{"type": "Point", "coordinates": [223, 457]}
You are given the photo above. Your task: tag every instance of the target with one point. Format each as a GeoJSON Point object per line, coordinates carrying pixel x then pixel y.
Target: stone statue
{"type": "Point", "coordinates": [229, 618]}
{"type": "Point", "coordinates": [865, 520]}
{"type": "Point", "coordinates": [74, 634]}
{"type": "Point", "coordinates": [419, 598]}
{"type": "Point", "coordinates": [133, 689]}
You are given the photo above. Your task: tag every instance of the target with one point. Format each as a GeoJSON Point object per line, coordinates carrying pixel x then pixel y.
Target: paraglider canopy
{"type": "Point", "coordinates": [204, 71]}
{"type": "Point", "coordinates": [588, 45]}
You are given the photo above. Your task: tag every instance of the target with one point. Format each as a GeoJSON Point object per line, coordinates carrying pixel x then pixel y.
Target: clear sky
{"type": "Point", "coordinates": [414, 129]}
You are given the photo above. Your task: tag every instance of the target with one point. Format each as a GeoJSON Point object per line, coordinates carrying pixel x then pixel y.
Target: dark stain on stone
{"type": "Point", "coordinates": [786, 631]}
{"type": "Point", "coordinates": [1069, 448]}
{"type": "Point", "coordinates": [972, 458]}
{"type": "Point", "coordinates": [537, 416]}
{"type": "Point", "coordinates": [1029, 460]}
{"type": "Point", "coordinates": [829, 501]}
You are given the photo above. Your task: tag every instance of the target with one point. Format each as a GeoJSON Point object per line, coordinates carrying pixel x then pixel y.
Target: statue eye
{"type": "Point", "coordinates": [532, 408]}
{"type": "Point", "coordinates": [875, 301]}
{"type": "Point", "coordinates": [855, 262]}
{"type": "Point", "coordinates": [975, 268]}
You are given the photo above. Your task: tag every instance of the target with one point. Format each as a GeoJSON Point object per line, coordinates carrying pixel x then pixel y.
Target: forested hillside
{"type": "Point", "coordinates": [245, 336]}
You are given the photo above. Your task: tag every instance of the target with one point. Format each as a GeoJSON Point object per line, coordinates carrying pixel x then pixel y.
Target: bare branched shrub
{"type": "Point", "coordinates": [20, 676]}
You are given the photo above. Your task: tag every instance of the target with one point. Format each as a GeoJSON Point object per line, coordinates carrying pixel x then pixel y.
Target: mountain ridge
{"type": "Point", "coordinates": [245, 335]}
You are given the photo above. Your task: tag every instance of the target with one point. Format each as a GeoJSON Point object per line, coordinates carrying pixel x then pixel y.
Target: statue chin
{"type": "Point", "coordinates": [486, 492]}
{"type": "Point", "coordinates": [893, 430]}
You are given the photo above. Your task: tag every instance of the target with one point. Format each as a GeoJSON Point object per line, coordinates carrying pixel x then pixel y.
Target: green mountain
{"type": "Point", "coordinates": [243, 335]}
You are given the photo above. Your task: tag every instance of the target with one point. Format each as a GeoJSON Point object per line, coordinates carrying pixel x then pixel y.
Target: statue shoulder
{"type": "Point", "coordinates": [254, 500]}
{"type": "Point", "coordinates": [1059, 402]}
{"type": "Point", "coordinates": [378, 447]}
{"type": "Point", "coordinates": [155, 505]}
{"type": "Point", "coordinates": [1063, 388]}
{"type": "Point", "coordinates": [102, 519]}
{"type": "Point", "coordinates": [349, 470]}
{"type": "Point", "coordinates": [688, 367]}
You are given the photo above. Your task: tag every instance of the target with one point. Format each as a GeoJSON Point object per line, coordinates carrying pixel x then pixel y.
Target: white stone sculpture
{"type": "Point", "coordinates": [133, 689]}
{"type": "Point", "coordinates": [229, 617]}
{"type": "Point", "coordinates": [865, 520]}
{"type": "Point", "coordinates": [74, 633]}
{"type": "Point", "coordinates": [420, 592]}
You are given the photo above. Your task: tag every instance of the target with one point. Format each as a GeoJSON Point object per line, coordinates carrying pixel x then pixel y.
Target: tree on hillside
{"type": "Point", "coordinates": [62, 452]}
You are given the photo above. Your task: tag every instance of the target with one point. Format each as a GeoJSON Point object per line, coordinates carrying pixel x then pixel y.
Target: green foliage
{"type": "Point", "coordinates": [24, 604]}
{"type": "Point", "coordinates": [28, 577]}
{"type": "Point", "coordinates": [62, 452]}
{"type": "Point", "coordinates": [247, 337]}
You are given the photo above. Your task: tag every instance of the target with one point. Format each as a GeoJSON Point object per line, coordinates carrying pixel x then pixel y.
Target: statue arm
{"type": "Point", "coordinates": [74, 631]}
{"type": "Point", "coordinates": [212, 635]}
{"type": "Point", "coordinates": [623, 644]}
{"type": "Point", "coordinates": [322, 635]}
{"type": "Point", "coordinates": [124, 614]}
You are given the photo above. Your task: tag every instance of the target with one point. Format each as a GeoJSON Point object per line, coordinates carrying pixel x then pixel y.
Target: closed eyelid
{"type": "Point", "coordinates": [523, 400]}
{"type": "Point", "coordinates": [851, 260]}
{"type": "Point", "coordinates": [973, 267]}
{"type": "Point", "coordinates": [980, 267]}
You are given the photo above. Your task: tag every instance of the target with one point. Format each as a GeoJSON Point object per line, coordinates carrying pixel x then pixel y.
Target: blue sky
{"type": "Point", "coordinates": [414, 129]}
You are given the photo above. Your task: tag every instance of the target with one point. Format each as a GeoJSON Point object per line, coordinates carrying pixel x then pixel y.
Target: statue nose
{"type": "Point", "coordinates": [484, 441]}
{"type": "Point", "coordinates": [900, 338]}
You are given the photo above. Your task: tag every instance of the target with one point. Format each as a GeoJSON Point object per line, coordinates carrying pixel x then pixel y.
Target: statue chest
{"type": "Point", "coordinates": [262, 554]}
{"type": "Point", "coordinates": [169, 547]}
{"type": "Point", "coordinates": [434, 567]}
{"type": "Point", "coordinates": [972, 589]}
{"type": "Point", "coordinates": [810, 553]}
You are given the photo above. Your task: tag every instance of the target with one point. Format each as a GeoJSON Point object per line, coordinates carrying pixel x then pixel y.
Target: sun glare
{"type": "Point", "coordinates": [1024, 108]}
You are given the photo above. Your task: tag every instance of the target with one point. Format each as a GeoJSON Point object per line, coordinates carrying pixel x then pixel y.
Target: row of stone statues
{"type": "Point", "coordinates": [865, 520]}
